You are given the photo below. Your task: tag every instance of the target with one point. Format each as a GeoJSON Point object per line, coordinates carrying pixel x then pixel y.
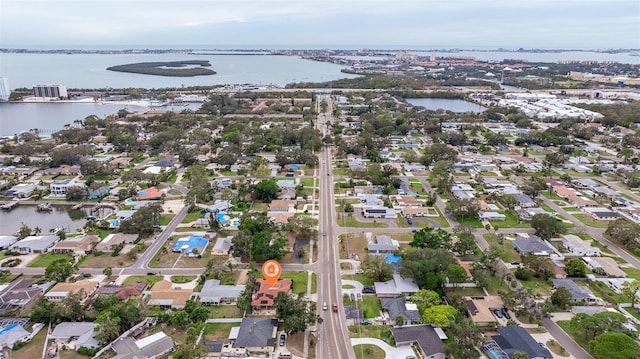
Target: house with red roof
{"type": "Point", "coordinates": [263, 294]}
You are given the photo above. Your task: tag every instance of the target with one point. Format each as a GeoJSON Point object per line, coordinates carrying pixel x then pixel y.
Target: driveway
{"type": "Point", "coordinates": [358, 287]}
{"type": "Point", "coordinates": [390, 352]}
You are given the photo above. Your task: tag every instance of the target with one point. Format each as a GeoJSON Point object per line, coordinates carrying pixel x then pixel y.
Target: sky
{"type": "Point", "coordinates": [567, 24]}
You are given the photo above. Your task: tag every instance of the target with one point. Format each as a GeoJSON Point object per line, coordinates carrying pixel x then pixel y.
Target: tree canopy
{"type": "Point", "coordinates": [613, 345]}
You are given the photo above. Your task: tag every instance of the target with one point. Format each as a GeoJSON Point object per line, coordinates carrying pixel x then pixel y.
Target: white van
{"type": "Point", "coordinates": [284, 355]}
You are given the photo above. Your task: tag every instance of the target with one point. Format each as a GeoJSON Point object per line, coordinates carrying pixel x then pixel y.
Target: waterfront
{"type": "Point", "coordinates": [16, 117]}
{"type": "Point", "coordinates": [446, 104]}
{"type": "Point", "coordinates": [89, 71]}
{"type": "Point", "coordinates": [60, 217]}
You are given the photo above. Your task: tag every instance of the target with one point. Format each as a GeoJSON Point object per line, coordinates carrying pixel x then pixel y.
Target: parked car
{"type": "Point", "coordinates": [353, 297]}
{"type": "Point", "coordinates": [358, 296]}
{"type": "Point", "coordinates": [366, 322]}
{"type": "Point", "coordinates": [368, 290]}
{"type": "Point", "coordinates": [506, 314]}
{"type": "Point", "coordinates": [497, 312]}
{"type": "Point", "coordinates": [282, 339]}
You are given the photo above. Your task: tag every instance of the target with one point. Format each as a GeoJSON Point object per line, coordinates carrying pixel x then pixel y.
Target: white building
{"type": "Point", "coordinates": [576, 246]}
{"type": "Point", "coordinates": [59, 189]}
{"type": "Point", "coordinates": [5, 91]}
{"type": "Point", "coordinates": [50, 91]}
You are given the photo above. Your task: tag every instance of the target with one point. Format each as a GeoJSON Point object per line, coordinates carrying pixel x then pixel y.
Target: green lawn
{"type": "Point", "coordinates": [417, 186]}
{"type": "Point", "coordinates": [368, 351]}
{"type": "Point", "coordinates": [33, 349]}
{"type": "Point", "coordinates": [45, 259]}
{"type": "Point", "coordinates": [369, 304]}
{"type": "Point", "coordinates": [506, 251]}
{"type": "Point", "coordinates": [179, 279]}
{"type": "Point", "coordinates": [441, 220]}
{"type": "Point", "coordinates": [372, 331]}
{"type": "Point", "coordinates": [552, 195]}
{"type": "Point", "coordinates": [218, 331]}
{"type": "Point", "coordinates": [190, 217]}
{"type": "Point", "coordinates": [350, 221]}
{"type": "Point", "coordinates": [165, 219]}
{"type": "Point", "coordinates": [567, 327]}
{"type": "Point", "coordinates": [299, 280]}
{"type": "Point", "coordinates": [307, 182]}
{"type": "Point", "coordinates": [538, 286]}
{"type": "Point", "coordinates": [360, 278]}
{"type": "Point", "coordinates": [510, 222]}
{"type": "Point", "coordinates": [151, 279]}
{"type": "Point", "coordinates": [472, 222]}
{"type": "Point", "coordinates": [632, 272]}
{"type": "Point", "coordinates": [590, 222]}
{"type": "Point", "coordinates": [314, 283]}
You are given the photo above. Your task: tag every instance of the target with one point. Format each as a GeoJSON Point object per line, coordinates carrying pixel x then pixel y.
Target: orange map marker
{"type": "Point", "coordinates": [271, 271]}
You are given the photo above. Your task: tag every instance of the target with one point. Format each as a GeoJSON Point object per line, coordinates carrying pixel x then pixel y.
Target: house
{"type": "Point", "coordinates": [491, 216]}
{"type": "Point", "coordinates": [19, 294]}
{"type": "Point", "coordinates": [416, 211]}
{"type": "Point", "coordinates": [513, 339]}
{"type": "Point", "coordinates": [601, 213]}
{"type": "Point", "coordinates": [221, 183]}
{"type": "Point", "coordinates": [428, 339]}
{"type": "Point", "coordinates": [75, 334]}
{"type": "Point", "coordinates": [409, 201]}
{"type": "Point", "coordinates": [479, 309]}
{"type": "Point", "coordinates": [59, 188]}
{"type": "Point", "coordinates": [280, 218]}
{"type": "Point", "coordinates": [99, 192]}
{"type": "Point", "coordinates": [399, 307]}
{"type": "Point", "coordinates": [282, 205]}
{"type": "Point", "coordinates": [604, 266]}
{"type": "Point", "coordinates": [257, 336]}
{"type": "Point", "coordinates": [384, 244]}
{"type": "Point", "coordinates": [263, 294]}
{"type": "Point", "coordinates": [13, 333]}
{"type": "Point", "coordinates": [62, 290]}
{"type": "Point", "coordinates": [223, 246]}
{"type": "Point", "coordinates": [167, 295]}
{"type": "Point", "coordinates": [524, 201]}
{"type": "Point", "coordinates": [370, 199]}
{"type": "Point", "coordinates": [379, 212]}
{"type": "Point", "coordinates": [213, 293]}
{"type": "Point", "coordinates": [578, 293]}
{"type": "Point", "coordinates": [192, 246]}
{"type": "Point", "coordinates": [150, 193]}
{"type": "Point", "coordinates": [115, 239]}
{"type": "Point", "coordinates": [21, 190]}
{"type": "Point", "coordinates": [7, 241]}
{"type": "Point", "coordinates": [121, 292]}
{"type": "Point", "coordinates": [80, 245]}
{"type": "Point", "coordinates": [35, 244]}
{"type": "Point", "coordinates": [219, 206]}
{"type": "Point", "coordinates": [576, 246]}
{"type": "Point", "coordinates": [526, 214]}
{"type": "Point", "coordinates": [395, 287]}
{"type": "Point", "coordinates": [532, 244]}
{"type": "Point", "coordinates": [152, 346]}
{"type": "Point", "coordinates": [413, 167]}
{"type": "Point", "coordinates": [286, 184]}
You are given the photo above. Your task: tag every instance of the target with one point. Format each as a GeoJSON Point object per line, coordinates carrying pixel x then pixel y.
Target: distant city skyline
{"type": "Point", "coordinates": [567, 24]}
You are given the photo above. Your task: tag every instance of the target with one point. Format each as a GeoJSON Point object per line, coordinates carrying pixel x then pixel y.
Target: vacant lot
{"type": "Point", "coordinates": [44, 260]}
{"type": "Point", "coordinates": [32, 349]}
{"type": "Point", "coordinates": [106, 260]}
{"type": "Point", "coordinates": [165, 258]}
{"type": "Point", "coordinates": [218, 331]}
{"type": "Point", "coordinates": [353, 245]}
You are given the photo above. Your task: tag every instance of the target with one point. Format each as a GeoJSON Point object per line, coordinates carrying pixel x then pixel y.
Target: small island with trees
{"type": "Point", "coordinates": [172, 68]}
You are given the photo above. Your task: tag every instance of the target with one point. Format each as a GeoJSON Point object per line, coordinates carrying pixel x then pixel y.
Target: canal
{"type": "Point", "coordinates": [71, 220]}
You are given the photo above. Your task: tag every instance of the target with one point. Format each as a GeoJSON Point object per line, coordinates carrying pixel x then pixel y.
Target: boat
{"type": "Point", "coordinates": [44, 207]}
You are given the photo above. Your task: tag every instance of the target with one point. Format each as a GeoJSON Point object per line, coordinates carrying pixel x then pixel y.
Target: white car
{"type": "Point", "coordinates": [324, 306]}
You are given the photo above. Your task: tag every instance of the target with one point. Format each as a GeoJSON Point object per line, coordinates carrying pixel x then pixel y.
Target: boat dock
{"type": "Point", "coordinates": [10, 205]}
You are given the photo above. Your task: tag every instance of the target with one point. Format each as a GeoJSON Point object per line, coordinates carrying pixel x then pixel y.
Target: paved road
{"type": "Point", "coordinates": [565, 340]}
{"type": "Point", "coordinates": [333, 335]}
{"type": "Point", "coordinates": [158, 242]}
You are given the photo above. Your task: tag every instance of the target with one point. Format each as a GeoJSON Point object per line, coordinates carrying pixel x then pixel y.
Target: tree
{"type": "Point", "coordinates": [542, 267]}
{"type": "Point", "coordinates": [107, 327]}
{"type": "Point", "coordinates": [631, 290]}
{"type": "Point", "coordinates": [439, 315]}
{"type": "Point", "coordinates": [429, 238]}
{"type": "Point", "coordinates": [624, 232]}
{"type": "Point", "coordinates": [463, 208]}
{"type": "Point", "coordinates": [520, 355]}
{"type": "Point", "coordinates": [547, 226]}
{"type": "Point", "coordinates": [295, 312]}
{"type": "Point", "coordinates": [59, 270]}
{"type": "Point", "coordinates": [376, 268]}
{"type": "Point", "coordinates": [107, 271]}
{"type": "Point", "coordinates": [590, 326]}
{"type": "Point", "coordinates": [425, 298]}
{"type": "Point", "coordinates": [456, 274]}
{"type": "Point", "coordinates": [266, 190]}
{"type": "Point", "coordinates": [143, 220]}
{"type": "Point", "coordinates": [576, 268]}
{"type": "Point", "coordinates": [614, 346]}
{"type": "Point", "coordinates": [179, 318]}
{"type": "Point", "coordinates": [561, 298]}
{"type": "Point", "coordinates": [426, 267]}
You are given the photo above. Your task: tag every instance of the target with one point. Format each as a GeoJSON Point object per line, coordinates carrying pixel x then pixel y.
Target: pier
{"type": "Point", "coordinates": [10, 205]}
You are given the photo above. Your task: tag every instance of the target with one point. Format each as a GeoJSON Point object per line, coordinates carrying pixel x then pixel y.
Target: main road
{"type": "Point", "coordinates": [333, 335]}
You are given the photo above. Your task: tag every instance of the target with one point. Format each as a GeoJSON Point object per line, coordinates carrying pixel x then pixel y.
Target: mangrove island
{"type": "Point", "coordinates": [172, 68]}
